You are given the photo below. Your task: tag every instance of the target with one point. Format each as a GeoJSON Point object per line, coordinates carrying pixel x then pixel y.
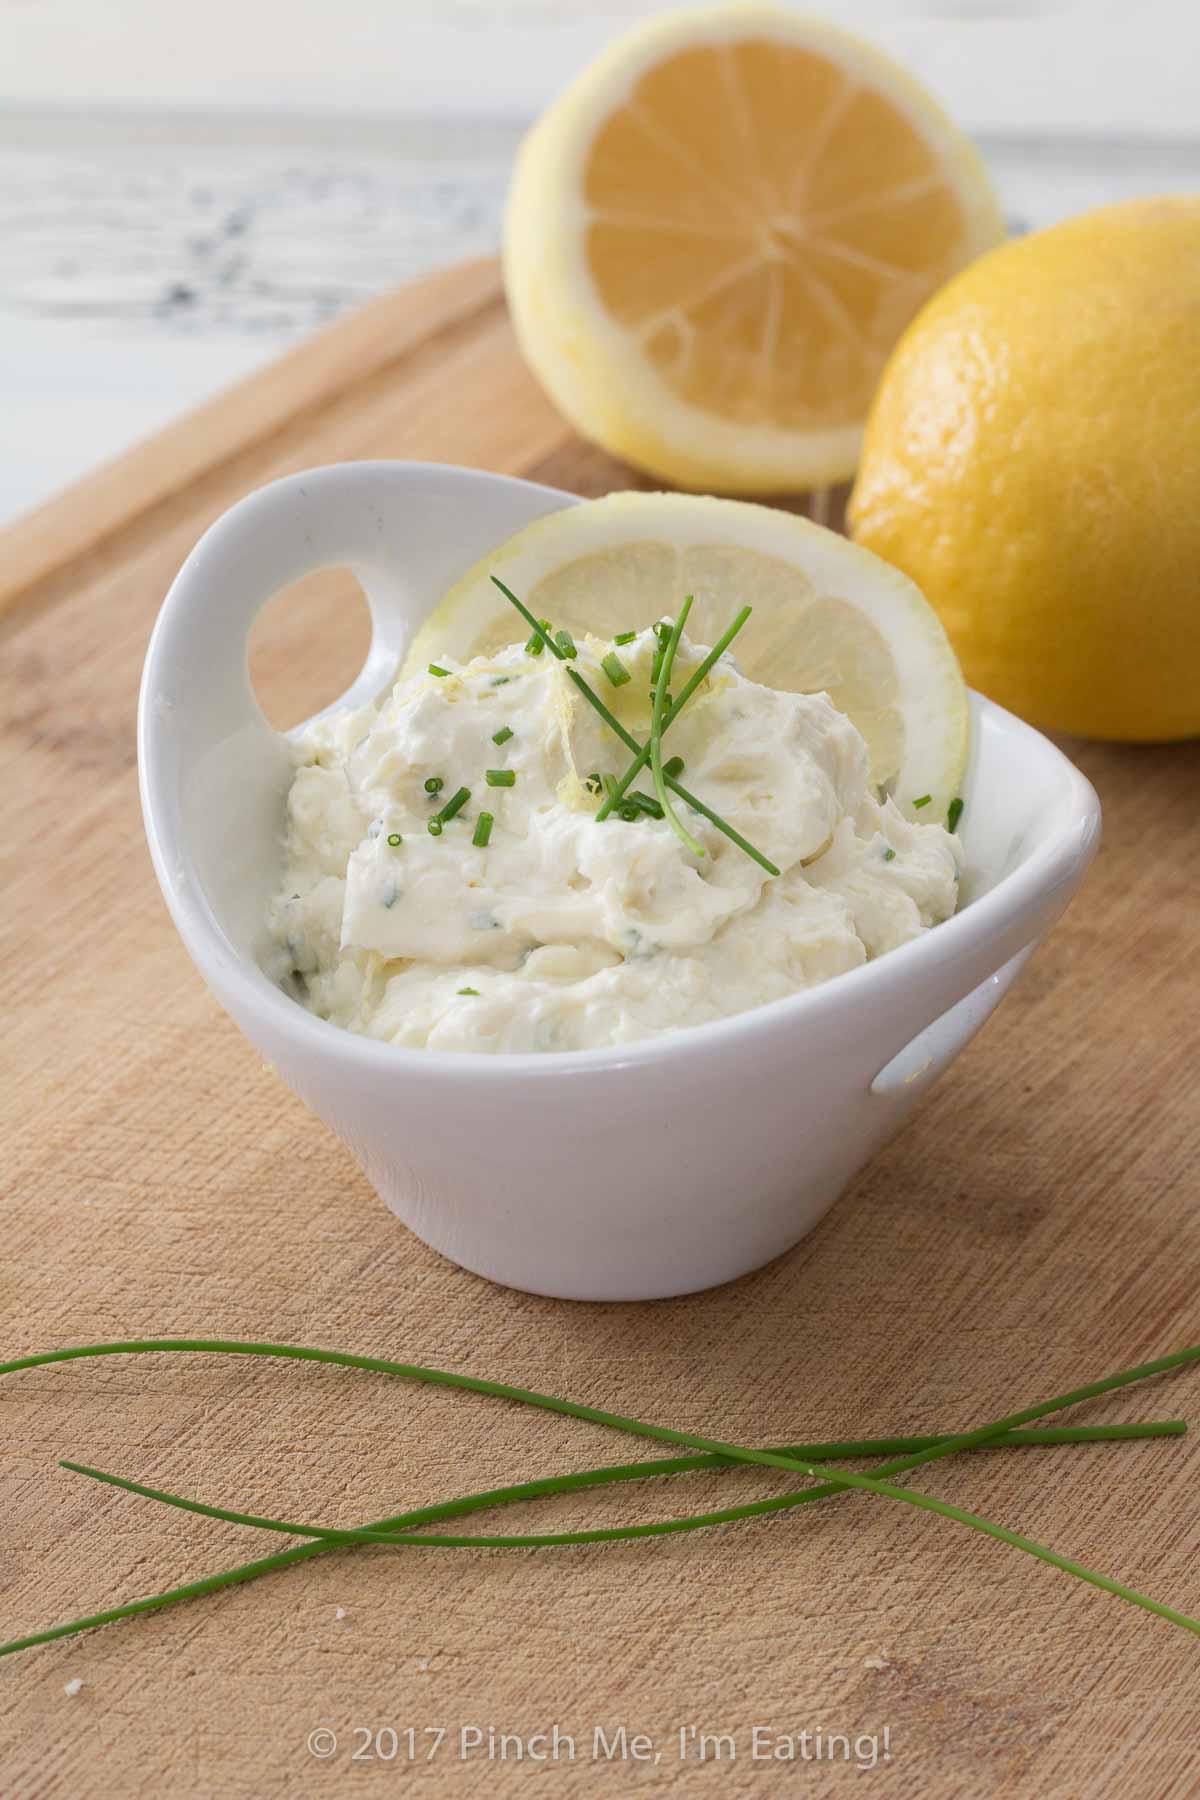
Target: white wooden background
{"type": "Point", "coordinates": [186, 189]}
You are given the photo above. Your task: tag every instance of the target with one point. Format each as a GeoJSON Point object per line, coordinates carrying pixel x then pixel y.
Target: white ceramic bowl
{"type": "Point", "coordinates": [650, 1169]}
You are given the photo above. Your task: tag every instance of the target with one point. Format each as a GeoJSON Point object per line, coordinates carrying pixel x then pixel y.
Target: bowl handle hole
{"type": "Point", "coordinates": [307, 646]}
{"type": "Point", "coordinates": [922, 1060]}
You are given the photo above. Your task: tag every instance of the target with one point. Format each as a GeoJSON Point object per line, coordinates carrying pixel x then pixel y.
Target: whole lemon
{"type": "Point", "coordinates": [1032, 461]}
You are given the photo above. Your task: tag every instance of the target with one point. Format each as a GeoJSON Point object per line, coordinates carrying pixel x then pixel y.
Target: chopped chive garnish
{"type": "Point", "coordinates": [642, 751]}
{"type": "Point", "coordinates": [624, 637]}
{"type": "Point", "coordinates": [501, 777]}
{"type": "Point", "coordinates": [889, 855]}
{"type": "Point", "coordinates": [923, 801]}
{"type": "Point", "coordinates": [629, 813]}
{"type": "Point", "coordinates": [454, 804]}
{"type": "Point", "coordinates": [593, 783]}
{"type": "Point", "coordinates": [394, 838]}
{"type": "Point", "coordinates": [474, 991]}
{"type": "Point", "coordinates": [699, 675]}
{"type": "Point", "coordinates": [566, 643]}
{"type": "Point", "coordinates": [954, 814]}
{"type": "Point", "coordinates": [662, 632]}
{"type": "Point", "coordinates": [539, 636]}
{"type": "Point", "coordinates": [645, 803]}
{"type": "Point", "coordinates": [502, 736]}
{"type": "Point", "coordinates": [434, 828]}
{"type": "Point", "coordinates": [483, 829]}
{"type": "Point", "coordinates": [437, 669]}
{"type": "Point", "coordinates": [615, 669]}
{"type": "Point", "coordinates": [500, 680]}
{"type": "Point", "coordinates": [674, 766]}
{"type": "Point", "coordinates": [434, 784]}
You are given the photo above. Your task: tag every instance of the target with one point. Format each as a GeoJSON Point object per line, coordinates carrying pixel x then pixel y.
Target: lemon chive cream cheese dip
{"type": "Point", "coordinates": [449, 884]}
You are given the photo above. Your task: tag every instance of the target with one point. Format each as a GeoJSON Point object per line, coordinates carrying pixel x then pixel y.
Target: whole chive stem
{"type": "Point", "coordinates": [556, 1484]}
{"type": "Point", "coordinates": [389, 1534]}
{"type": "Point", "coordinates": [539, 628]}
{"type": "Point", "coordinates": [483, 830]}
{"type": "Point", "coordinates": [841, 1478]}
{"type": "Point", "coordinates": [700, 674]}
{"type": "Point", "coordinates": [657, 716]}
{"type": "Point", "coordinates": [628, 739]}
{"type": "Point", "coordinates": [984, 1435]}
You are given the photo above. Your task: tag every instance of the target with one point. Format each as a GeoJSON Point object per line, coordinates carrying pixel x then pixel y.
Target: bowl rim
{"type": "Point", "coordinates": [1050, 865]}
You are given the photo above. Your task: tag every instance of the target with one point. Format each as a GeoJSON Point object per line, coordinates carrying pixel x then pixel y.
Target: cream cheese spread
{"type": "Point", "coordinates": [562, 932]}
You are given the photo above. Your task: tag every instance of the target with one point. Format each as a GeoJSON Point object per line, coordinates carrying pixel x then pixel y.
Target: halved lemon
{"type": "Point", "coordinates": [828, 616]}
{"type": "Point", "coordinates": [716, 234]}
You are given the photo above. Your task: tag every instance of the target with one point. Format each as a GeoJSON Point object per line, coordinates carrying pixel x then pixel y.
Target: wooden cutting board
{"type": "Point", "coordinates": [1036, 1227]}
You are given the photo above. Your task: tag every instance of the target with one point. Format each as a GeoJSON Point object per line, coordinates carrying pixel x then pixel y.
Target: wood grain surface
{"type": "Point", "coordinates": [1035, 1227]}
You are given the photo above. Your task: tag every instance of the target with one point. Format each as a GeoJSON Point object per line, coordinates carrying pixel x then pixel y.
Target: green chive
{"type": "Point", "coordinates": [698, 675]}
{"type": "Point", "coordinates": [889, 855]}
{"type": "Point", "coordinates": [624, 637]}
{"type": "Point", "coordinates": [394, 839]}
{"type": "Point", "coordinates": [474, 991]}
{"type": "Point", "coordinates": [566, 643]}
{"type": "Point", "coordinates": [483, 829]}
{"type": "Point", "coordinates": [954, 814]}
{"type": "Point", "coordinates": [609, 783]}
{"type": "Point", "coordinates": [630, 742]}
{"type": "Point", "coordinates": [923, 801]}
{"type": "Point", "coordinates": [593, 783]}
{"type": "Point", "coordinates": [501, 778]}
{"type": "Point", "coordinates": [674, 767]}
{"type": "Point", "coordinates": [642, 751]}
{"type": "Point", "coordinates": [434, 828]}
{"type": "Point", "coordinates": [455, 804]}
{"type": "Point", "coordinates": [996, 1435]}
{"type": "Point", "coordinates": [656, 734]}
{"type": "Point", "coordinates": [538, 637]}
{"type": "Point", "coordinates": [502, 736]}
{"type": "Point", "coordinates": [434, 784]}
{"type": "Point", "coordinates": [437, 669]}
{"type": "Point", "coordinates": [645, 803]}
{"type": "Point", "coordinates": [500, 680]}
{"type": "Point", "coordinates": [615, 669]}
{"type": "Point", "coordinates": [629, 813]}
